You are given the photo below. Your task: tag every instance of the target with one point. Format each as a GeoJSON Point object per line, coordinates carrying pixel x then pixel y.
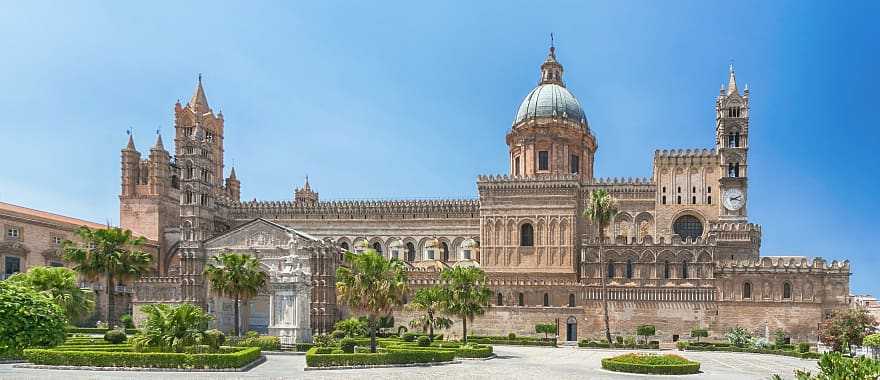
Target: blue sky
{"type": "Point", "coordinates": [406, 100]}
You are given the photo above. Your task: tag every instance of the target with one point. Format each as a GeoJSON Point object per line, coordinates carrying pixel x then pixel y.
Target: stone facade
{"type": "Point", "coordinates": [681, 252]}
{"type": "Point", "coordinates": [34, 238]}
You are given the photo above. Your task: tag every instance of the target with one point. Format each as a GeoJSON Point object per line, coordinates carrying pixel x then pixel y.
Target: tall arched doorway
{"type": "Point", "coordinates": [571, 328]}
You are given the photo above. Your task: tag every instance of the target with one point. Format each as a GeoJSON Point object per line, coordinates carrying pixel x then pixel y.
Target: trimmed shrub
{"type": "Point", "coordinates": [511, 336]}
{"type": "Point", "coordinates": [96, 330]}
{"type": "Point", "coordinates": [347, 345]}
{"type": "Point", "coordinates": [303, 347]}
{"type": "Point", "coordinates": [682, 345]}
{"type": "Point", "coordinates": [323, 350]}
{"type": "Point", "coordinates": [115, 336]}
{"type": "Point", "coordinates": [651, 364]}
{"type": "Point", "coordinates": [699, 333]}
{"type": "Point", "coordinates": [235, 359]}
{"type": "Point", "coordinates": [618, 339]}
{"type": "Point", "coordinates": [127, 321]}
{"type": "Point", "coordinates": [390, 356]}
{"type": "Point", "coordinates": [728, 348]}
{"type": "Point", "coordinates": [424, 341]}
{"type": "Point", "coordinates": [214, 338]}
{"type": "Point", "coordinates": [803, 347]}
{"type": "Point", "coordinates": [324, 340]}
{"type": "Point", "coordinates": [545, 328]}
{"type": "Point", "coordinates": [409, 337]}
{"type": "Point", "coordinates": [266, 342]}
{"type": "Point", "coordinates": [646, 331]}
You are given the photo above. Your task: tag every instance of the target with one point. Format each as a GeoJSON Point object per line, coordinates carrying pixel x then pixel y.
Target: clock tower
{"type": "Point", "coordinates": [732, 144]}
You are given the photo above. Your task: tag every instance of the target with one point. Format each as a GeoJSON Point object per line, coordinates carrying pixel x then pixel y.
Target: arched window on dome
{"type": "Point", "coordinates": [526, 235]}
{"type": "Point", "coordinates": [543, 160]}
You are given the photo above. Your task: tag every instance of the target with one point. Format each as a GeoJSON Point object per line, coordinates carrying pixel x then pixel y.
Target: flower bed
{"type": "Point", "coordinates": [654, 345]}
{"type": "Point", "coordinates": [385, 357]}
{"type": "Point", "coordinates": [97, 358]}
{"type": "Point", "coordinates": [728, 348]}
{"type": "Point", "coordinates": [651, 364]}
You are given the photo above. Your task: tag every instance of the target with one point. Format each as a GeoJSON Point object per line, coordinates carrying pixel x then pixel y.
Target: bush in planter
{"type": "Point", "coordinates": [699, 333]}
{"type": "Point", "coordinates": [115, 336]}
{"type": "Point", "coordinates": [646, 331]}
{"type": "Point", "coordinates": [347, 345]}
{"type": "Point", "coordinates": [803, 347]}
{"type": "Point", "coordinates": [424, 341]}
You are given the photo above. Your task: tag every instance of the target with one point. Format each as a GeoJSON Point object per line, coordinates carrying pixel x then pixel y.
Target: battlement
{"type": "Point", "coordinates": [701, 152]}
{"type": "Point", "coordinates": [674, 241]}
{"type": "Point", "coordinates": [537, 178]}
{"type": "Point", "coordinates": [645, 181]}
{"type": "Point", "coordinates": [360, 207]}
{"type": "Point", "coordinates": [158, 280]}
{"type": "Point", "coordinates": [685, 156]}
{"type": "Point", "coordinates": [786, 263]}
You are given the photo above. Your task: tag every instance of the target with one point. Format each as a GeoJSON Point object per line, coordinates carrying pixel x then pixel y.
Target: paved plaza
{"type": "Point", "coordinates": [512, 363]}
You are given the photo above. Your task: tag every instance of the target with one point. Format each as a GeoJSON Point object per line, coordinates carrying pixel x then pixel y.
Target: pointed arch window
{"type": "Point", "coordinates": [520, 299]}
{"type": "Point", "coordinates": [571, 300]}
{"type": "Point", "coordinates": [546, 300]}
{"type": "Point", "coordinates": [786, 290]}
{"type": "Point", "coordinates": [666, 269]}
{"type": "Point", "coordinates": [526, 235]}
{"type": "Point", "coordinates": [747, 291]}
{"type": "Point", "coordinates": [610, 269]}
{"type": "Point", "coordinates": [629, 268]}
{"type": "Point", "coordinates": [188, 197]}
{"type": "Point", "coordinates": [444, 255]}
{"type": "Point", "coordinates": [684, 269]}
{"type": "Point", "coordinates": [344, 246]}
{"type": "Point", "coordinates": [410, 252]}
{"type": "Point", "coordinates": [499, 300]}
{"type": "Point", "coordinates": [377, 247]}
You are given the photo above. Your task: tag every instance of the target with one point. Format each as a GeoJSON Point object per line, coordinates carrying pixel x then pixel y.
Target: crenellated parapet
{"type": "Point", "coordinates": [649, 241]}
{"type": "Point", "coordinates": [529, 183]}
{"type": "Point", "coordinates": [785, 264]}
{"type": "Point", "coordinates": [735, 231]}
{"type": "Point", "coordinates": [680, 155]}
{"type": "Point", "coordinates": [256, 209]}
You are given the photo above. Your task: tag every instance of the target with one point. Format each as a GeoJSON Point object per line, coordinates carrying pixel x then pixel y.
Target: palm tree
{"type": "Point", "coordinates": [430, 302]}
{"type": "Point", "coordinates": [172, 327]}
{"type": "Point", "coordinates": [237, 276]}
{"type": "Point", "coordinates": [464, 294]}
{"type": "Point", "coordinates": [601, 209]}
{"type": "Point", "coordinates": [60, 285]}
{"type": "Point", "coordinates": [110, 252]}
{"type": "Point", "coordinates": [372, 285]}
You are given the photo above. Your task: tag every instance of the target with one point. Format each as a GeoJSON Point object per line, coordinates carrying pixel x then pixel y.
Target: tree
{"type": "Point", "coordinates": [600, 210]}
{"type": "Point", "coordinates": [699, 333]}
{"type": "Point", "coordinates": [372, 285]}
{"type": "Point", "coordinates": [646, 331]}
{"type": "Point", "coordinates": [834, 366]}
{"type": "Point", "coordinates": [545, 328]}
{"type": "Point", "coordinates": [465, 294]}
{"type": "Point", "coordinates": [352, 327]}
{"type": "Point", "coordinates": [847, 327]}
{"type": "Point", "coordinates": [172, 328]}
{"type": "Point", "coordinates": [237, 276]}
{"type": "Point", "coordinates": [110, 252]}
{"type": "Point", "coordinates": [873, 342]}
{"type": "Point", "coordinates": [28, 318]}
{"type": "Point", "coordinates": [59, 284]}
{"type": "Point", "coordinates": [429, 301]}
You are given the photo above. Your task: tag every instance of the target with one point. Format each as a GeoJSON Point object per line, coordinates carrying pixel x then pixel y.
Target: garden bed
{"type": "Point", "coordinates": [651, 364]}
{"type": "Point", "coordinates": [388, 356]}
{"type": "Point", "coordinates": [728, 348]}
{"type": "Point", "coordinates": [111, 356]}
{"type": "Point", "coordinates": [595, 344]}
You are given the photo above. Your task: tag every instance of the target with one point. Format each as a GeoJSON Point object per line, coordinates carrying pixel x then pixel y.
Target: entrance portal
{"type": "Point", "coordinates": [571, 329]}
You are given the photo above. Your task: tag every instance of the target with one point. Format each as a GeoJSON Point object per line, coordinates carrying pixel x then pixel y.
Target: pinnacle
{"type": "Point", "coordinates": [158, 145]}
{"type": "Point", "coordinates": [731, 82]}
{"type": "Point", "coordinates": [130, 145]}
{"type": "Point", "coordinates": [199, 99]}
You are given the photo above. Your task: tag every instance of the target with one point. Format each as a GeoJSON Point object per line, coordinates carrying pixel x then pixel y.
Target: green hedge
{"type": "Point", "coordinates": [651, 364]}
{"type": "Point", "coordinates": [96, 330]}
{"type": "Point", "coordinates": [265, 342]}
{"type": "Point", "coordinates": [142, 359]}
{"type": "Point", "coordinates": [727, 348]}
{"type": "Point", "coordinates": [654, 345]}
{"type": "Point", "coordinates": [388, 356]}
{"type": "Point", "coordinates": [303, 347]}
{"type": "Point", "coordinates": [517, 341]}
{"type": "Point", "coordinates": [461, 351]}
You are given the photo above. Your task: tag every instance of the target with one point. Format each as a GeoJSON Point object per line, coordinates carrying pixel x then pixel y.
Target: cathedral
{"type": "Point", "coordinates": [680, 254]}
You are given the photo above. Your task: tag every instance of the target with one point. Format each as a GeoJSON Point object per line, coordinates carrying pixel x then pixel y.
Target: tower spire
{"type": "Point", "coordinates": [158, 145]}
{"type": "Point", "coordinates": [130, 145]}
{"type": "Point", "coordinates": [731, 81]}
{"type": "Point", "coordinates": [199, 100]}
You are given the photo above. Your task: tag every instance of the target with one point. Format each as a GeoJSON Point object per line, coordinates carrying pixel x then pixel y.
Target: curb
{"type": "Point", "coordinates": [248, 367]}
{"type": "Point", "coordinates": [493, 356]}
{"type": "Point", "coordinates": [381, 366]}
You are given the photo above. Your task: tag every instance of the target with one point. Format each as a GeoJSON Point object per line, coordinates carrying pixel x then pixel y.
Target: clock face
{"type": "Point", "coordinates": [734, 199]}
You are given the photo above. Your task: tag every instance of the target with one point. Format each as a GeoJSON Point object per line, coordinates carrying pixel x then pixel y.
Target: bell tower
{"type": "Point", "coordinates": [732, 144]}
